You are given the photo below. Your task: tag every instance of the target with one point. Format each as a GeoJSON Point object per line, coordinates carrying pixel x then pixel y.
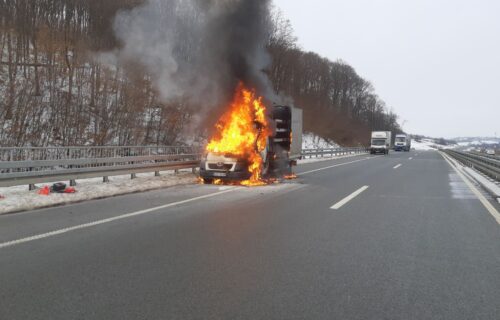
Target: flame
{"type": "Point", "coordinates": [242, 132]}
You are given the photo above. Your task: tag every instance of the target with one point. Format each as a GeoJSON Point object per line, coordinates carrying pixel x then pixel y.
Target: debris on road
{"type": "Point", "coordinates": [20, 199]}
{"type": "Point", "coordinates": [45, 191]}
{"type": "Point", "coordinates": [69, 190]}
{"type": "Point", "coordinates": [58, 187]}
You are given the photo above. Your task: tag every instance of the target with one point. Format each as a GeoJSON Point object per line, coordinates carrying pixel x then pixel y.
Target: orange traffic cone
{"type": "Point", "coordinates": [45, 191]}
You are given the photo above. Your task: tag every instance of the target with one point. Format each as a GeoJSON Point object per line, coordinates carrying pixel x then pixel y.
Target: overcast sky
{"type": "Point", "coordinates": [435, 62]}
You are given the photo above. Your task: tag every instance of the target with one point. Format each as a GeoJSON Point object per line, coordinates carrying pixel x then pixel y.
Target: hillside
{"type": "Point", "coordinates": [71, 74]}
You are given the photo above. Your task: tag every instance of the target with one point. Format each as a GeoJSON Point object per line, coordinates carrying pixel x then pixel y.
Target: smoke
{"type": "Point", "coordinates": [197, 50]}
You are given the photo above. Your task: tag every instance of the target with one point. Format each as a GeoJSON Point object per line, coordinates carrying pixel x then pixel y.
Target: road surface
{"type": "Point", "coordinates": [367, 237]}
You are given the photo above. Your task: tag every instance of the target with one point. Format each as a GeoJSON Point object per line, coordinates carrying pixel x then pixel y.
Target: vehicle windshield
{"type": "Point", "coordinates": [378, 142]}
{"type": "Point", "coordinates": [400, 139]}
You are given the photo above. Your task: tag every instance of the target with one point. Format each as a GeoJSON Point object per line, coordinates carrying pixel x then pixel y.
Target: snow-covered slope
{"type": "Point", "coordinates": [429, 144]}
{"type": "Point", "coordinates": [423, 145]}
{"type": "Point", "coordinates": [312, 141]}
{"type": "Point", "coordinates": [479, 142]}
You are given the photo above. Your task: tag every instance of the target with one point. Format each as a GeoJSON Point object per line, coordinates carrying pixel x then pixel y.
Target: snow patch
{"type": "Point", "coordinates": [20, 199]}
{"type": "Point", "coordinates": [429, 144]}
{"type": "Point", "coordinates": [312, 141]}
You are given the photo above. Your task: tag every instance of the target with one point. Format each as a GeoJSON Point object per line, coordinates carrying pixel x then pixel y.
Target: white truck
{"type": "Point", "coordinates": [381, 142]}
{"type": "Point", "coordinates": [402, 143]}
{"type": "Point", "coordinates": [283, 150]}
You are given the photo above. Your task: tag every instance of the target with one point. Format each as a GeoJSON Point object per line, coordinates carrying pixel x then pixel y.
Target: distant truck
{"type": "Point", "coordinates": [402, 143]}
{"type": "Point", "coordinates": [381, 142]}
{"type": "Point", "coordinates": [283, 150]}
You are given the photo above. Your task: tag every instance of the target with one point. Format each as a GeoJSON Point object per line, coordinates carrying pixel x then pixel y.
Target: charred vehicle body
{"type": "Point", "coordinates": [283, 149]}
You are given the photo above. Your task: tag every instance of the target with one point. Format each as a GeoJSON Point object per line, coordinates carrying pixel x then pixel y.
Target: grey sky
{"type": "Point", "coordinates": [435, 62]}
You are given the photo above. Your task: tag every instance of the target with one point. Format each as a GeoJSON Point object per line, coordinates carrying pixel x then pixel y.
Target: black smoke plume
{"type": "Point", "coordinates": [197, 50]}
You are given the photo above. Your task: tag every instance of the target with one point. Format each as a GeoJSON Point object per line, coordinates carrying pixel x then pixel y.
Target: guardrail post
{"type": "Point", "coordinates": [157, 173]}
{"type": "Point", "coordinates": [72, 183]}
{"type": "Point", "coordinates": [31, 187]}
{"type": "Point", "coordinates": [133, 176]}
{"type": "Point", "coordinates": [105, 179]}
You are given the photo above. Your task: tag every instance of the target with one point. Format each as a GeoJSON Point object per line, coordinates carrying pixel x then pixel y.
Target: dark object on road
{"type": "Point", "coordinates": [62, 188]}
{"type": "Point", "coordinates": [58, 187]}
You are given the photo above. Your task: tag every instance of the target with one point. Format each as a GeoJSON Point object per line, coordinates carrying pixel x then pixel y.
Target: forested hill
{"type": "Point", "coordinates": [54, 91]}
{"type": "Point", "coordinates": [338, 103]}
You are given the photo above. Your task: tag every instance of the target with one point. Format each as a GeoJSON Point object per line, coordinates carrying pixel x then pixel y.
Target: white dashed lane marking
{"type": "Point", "coordinates": [349, 198]}
{"type": "Point", "coordinates": [104, 221]}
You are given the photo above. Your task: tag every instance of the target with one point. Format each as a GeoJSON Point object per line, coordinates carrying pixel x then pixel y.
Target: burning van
{"type": "Point", "coordinates": [253, 145]}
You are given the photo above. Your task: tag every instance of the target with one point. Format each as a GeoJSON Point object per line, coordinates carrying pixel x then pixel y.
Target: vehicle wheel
{"type": "Point", "coordinates": [208, 181]}
{"type": "Point", "coordinates": [268, 169]}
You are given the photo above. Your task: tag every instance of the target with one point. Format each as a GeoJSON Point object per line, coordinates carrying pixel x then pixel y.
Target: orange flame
{"type": "Point", "coordinates": [242, 132]}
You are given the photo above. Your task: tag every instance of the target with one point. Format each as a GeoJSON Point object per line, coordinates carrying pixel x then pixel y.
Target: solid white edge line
{"type": "Point", "coordinates": [334, 166]}
{"type": "Point", "coordinates": [491, 209]}
{"type": "Point", "coordinates": [344, 201]}
{"type": "Point", "coordinates": [398, 166]}
{"type": "Point", "coordinates": [99, 222]}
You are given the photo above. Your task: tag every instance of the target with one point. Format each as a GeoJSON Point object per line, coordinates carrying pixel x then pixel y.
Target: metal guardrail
{"type": "Point", "coordinates": [20, 166]}
{"type": "Point", "coordinates": [494, 157]}
{"type": "Point", "coordinates": [488, 166]}
{"type": "Point", "coordinates": [320, 153]}
{"type": "Point", "coordinates": [28, 166]}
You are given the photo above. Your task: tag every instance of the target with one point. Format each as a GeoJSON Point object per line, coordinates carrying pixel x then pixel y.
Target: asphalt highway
{"type": "Point", "coordinates": [367, 237]}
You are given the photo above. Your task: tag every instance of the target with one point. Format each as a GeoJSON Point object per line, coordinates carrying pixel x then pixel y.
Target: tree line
{"type": "Point", "coordinates": [338, 103]}
{"type": "Point", "coordinates": [54, 92]}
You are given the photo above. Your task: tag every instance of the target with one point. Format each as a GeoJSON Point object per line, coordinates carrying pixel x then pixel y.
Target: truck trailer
{"type": "Point", "coordinates": [381, 142]}
{"type": "Point", "coordinates": [283, 149]}
{"type": "Point", "coordinates": [402, 143]}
